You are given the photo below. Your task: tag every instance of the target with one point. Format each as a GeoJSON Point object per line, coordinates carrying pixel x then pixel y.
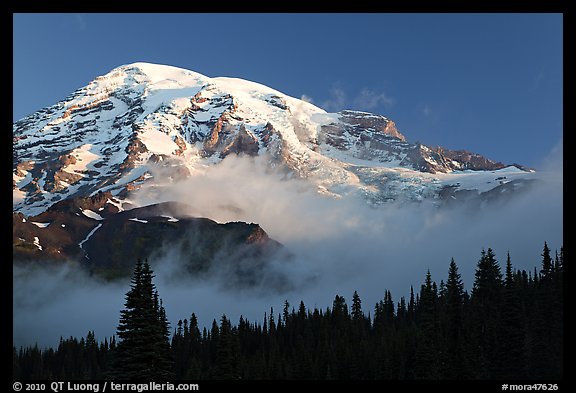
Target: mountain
{"type": "Point", "coordinates": [125, 127]}
{"type": "Point", "coordinates": [103, 238]}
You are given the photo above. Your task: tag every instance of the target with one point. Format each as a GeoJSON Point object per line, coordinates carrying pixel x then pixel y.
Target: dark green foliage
{"type": "Point", "coordinates": [547, 267]}
{"type": "Point", "coordinates": [546, 317]}
{"type": "Point", "coordinates": [508, 328]}
{"type": "Point", "coordinates": [227, 351]}
{"type": "Point", "coordinates": [357, 314]}
{"type": "Point", "coordinates": [454, 360]}
{"type": "Point", "coordinates": [513, 328]}
{"type": "Point", "coordinates": [428, 341]}
{"type": "Point", "coordinates": [485, 305]}
{"type": "Point", "coordinates": [143, 350]}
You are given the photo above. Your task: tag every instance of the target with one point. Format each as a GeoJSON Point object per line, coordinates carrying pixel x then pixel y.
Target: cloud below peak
{"type": "Point", "coordinates": [337, 246]}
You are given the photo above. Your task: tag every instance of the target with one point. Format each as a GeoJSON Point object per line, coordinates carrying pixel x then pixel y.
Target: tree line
{"type": "Point", "coordinates": [510, 326]}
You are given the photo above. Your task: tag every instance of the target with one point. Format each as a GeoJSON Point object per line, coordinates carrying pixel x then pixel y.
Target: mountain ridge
{"type": "Point", "coordinates": [98, 235]}
{"type": "Point", "coordinates": [112, 133]}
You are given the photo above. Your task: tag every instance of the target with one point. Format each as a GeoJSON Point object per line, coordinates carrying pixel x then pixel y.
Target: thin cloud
{"type": "Point", "coordinates": [307, 98]}
{"type": "Point", "coordinates": [338, 246]}
{"type": "Point", "coordinates": [553, 162]}
{"type": "Point", "coordinates": [369, 99]}
{"type": "Point", "coordinates": [537, 81]}
{"type": "Point", "coordinates": [427, 110]}
{"type": "Point", "coordinates": [337, 100]}
{"type": "Point", "coordinates": [366, 100]}
{"type": "Point", "coordinates": [80, 22]}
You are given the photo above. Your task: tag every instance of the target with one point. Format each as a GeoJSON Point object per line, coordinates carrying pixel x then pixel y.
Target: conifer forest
{"type": "Point", "coordinates": [509, 325]}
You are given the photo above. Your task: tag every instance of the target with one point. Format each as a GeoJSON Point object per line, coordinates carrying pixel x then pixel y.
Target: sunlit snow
{"type": "Point", "coordinates": [92, 215]}
{"type": "Point", "coordinates": [37, 243]}
{"type": "Point", "coordinates": [170, 105]}
{"type": "Point", "coordinates": [41, 224]}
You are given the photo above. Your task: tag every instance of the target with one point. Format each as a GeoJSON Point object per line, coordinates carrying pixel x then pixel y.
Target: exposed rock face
{"type": "Point", "coordinates": [113, 134]}
{"type": "Point", "coordinates": [102, 202]}
{"type": "Point", "coordinates": [244, 142]}
{"type": "Point", "coordinates": [371, 122]}
{"type": "Point", "coordinates": [95, 234]}
{"type": "Point", "coordinates": [372, 137]}
{"type": "Point", "coordinates": [134, 149]}
{"type": "Point", "coordinates": [504, 192]}
{"type": "Point", "coordinates": [23, 167]}
{"type": "Point", "coordinates": [365, 136]}
{"type": "Point", "coordinates": [468, 160]}
{"type": "Point", "coordinates": [154, 231]}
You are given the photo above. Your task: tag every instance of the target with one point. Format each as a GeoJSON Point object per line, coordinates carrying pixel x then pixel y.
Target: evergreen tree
{"type": "Point", "coordinates": [506, 329]}
{"type": "Point", "coordinates": [427, 364]}
{"type": "Point", "coordinates": [557, 321]}
{"type": "Point", "coordinates": [357, 314]}
{"type": "Point", "coordinates": [165, 363]}
{"type": "Point", "coordinates": [226, 360]}
{"type": "Point", "coordinates": [285, 313]}
{"type": "Point", "coordinates": [558, 263]}
{"type": "Point", "coordinates": [547, 266]}
{"type": "Point", "coordinates": [90, 358]}
{"type": "Point", "coordinates": [545, 336]}
{"type": "Point", "coordinates": [486, 299]}
{"type": "Point", "coordinates": [411, 313]}
{"type": "Point", "coordinates": [455, 363]}
{"type": "Point", "coordinates": [511, 350]}
{"type": "Point", "coordinates": [16, 368]}
{"type": "Point", "coordinates": [141, 352]}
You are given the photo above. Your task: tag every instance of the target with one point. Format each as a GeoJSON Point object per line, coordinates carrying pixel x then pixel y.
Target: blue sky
{"type": "Point", "coordinates": [489, 83]}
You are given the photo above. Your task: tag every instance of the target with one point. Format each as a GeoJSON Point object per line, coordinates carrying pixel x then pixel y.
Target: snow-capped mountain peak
{"type": "Point", "coordinates": [109, 135]}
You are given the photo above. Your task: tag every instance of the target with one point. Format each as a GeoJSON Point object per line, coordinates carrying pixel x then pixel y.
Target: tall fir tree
{"type": "Point", "coordinates": [143, 348]}
{"type": "Point", "coordinates": [508, 329]}
{"type": "Point", "coordinates": [357, 314]}
{"type": "Point", "coordinates": [227, 352]}
{"type": "Point", "coordinates": [545, 340]}
{"type": "Point", "coordinates": [547, 266]}
{"type": "Point", "coordinates": [486, 301]}
{"type": "Point", "coordinates": [455, 363]}
{"type": "Point", "coordinates": [511, 344]}
{"type": "Point", "coordinates": [427, 363]}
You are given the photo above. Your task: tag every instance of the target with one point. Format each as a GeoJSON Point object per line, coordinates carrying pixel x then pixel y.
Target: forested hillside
{"type": "Point", "coordinates": [509, 326]}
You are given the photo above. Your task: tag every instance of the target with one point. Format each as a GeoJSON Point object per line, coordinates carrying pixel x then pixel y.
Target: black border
{"type": "Point", "coordinates": [397, 6]}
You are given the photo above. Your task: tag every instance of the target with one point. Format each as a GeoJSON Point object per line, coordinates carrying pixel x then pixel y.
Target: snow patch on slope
{"type": "Point", "coordinates": [157, 142]}
{"type": "Point", "coordinates": [483, 180]}
{"type": "Point", "coordinates": [41, 224]}
{"type": "Point", "coordinates": [92, 215]}
{"type": "Point", "coordinates": [85, 156]}
{"type": "Point", "coordinates": [37, 243]}
{"type": "Point", "coordinates": [172, 111]}
{"type": "Point", "coordinates": [89, 235]}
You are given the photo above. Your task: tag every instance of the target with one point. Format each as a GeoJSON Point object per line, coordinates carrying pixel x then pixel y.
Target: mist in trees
{"type": "Point", "coordinates": [508, 327]}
